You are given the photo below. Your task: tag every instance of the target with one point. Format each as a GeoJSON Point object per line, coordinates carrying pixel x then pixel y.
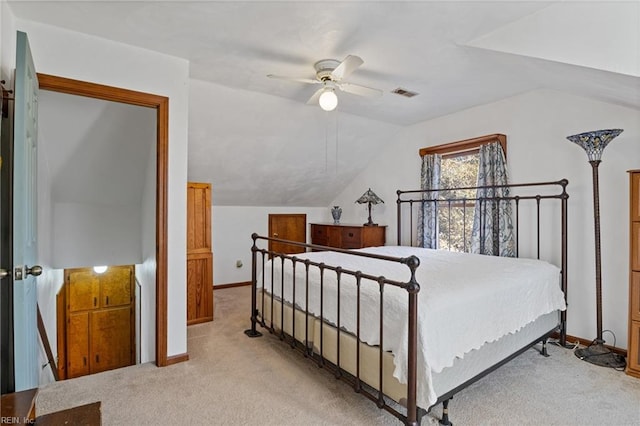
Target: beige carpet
{"type": "Point", "coordinates": [232, 379]}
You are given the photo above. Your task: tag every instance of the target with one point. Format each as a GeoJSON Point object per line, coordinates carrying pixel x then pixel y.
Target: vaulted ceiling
{"type": "Point", "coordinates": [258, 142]}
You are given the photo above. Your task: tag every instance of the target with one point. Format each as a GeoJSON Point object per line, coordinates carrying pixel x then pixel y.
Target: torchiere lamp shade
{"type": "Point", "coordinates": [595, 142]}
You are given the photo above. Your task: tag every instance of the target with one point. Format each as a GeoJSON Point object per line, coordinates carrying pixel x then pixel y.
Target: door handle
{"type": "Point", "coordinates": [3, 273]}
{"type": "Point", "coordinates": [35, 270]}
{"type": "Point", "coordinates": [275, 235]}
{"type": "Point", "coordinates": [20, 272]}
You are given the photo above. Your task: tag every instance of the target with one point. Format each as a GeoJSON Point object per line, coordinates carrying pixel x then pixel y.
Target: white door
{"type": "Point", "coordinates": [25, 248]}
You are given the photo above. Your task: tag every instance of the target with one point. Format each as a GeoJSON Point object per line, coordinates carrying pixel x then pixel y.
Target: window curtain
{"type": "Point", "coordinates": [428, 213]}
{"type": "Point", "coordinates": [492, 231]}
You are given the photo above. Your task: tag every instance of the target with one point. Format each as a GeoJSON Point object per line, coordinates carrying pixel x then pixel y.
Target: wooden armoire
{"type": "Point", "coordinates": [99, 314]}
{"type": "Point", "coordinates": [633, 351]}
{"type": "Point", "coordinates": [199, 254]}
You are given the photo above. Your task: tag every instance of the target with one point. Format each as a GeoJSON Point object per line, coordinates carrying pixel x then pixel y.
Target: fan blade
{"type": "Point", "coordinates": [357, 89]}
{"type": "Point", "coordinates": [299, 80]}
{"type": "Point", "coordinates": [314, 98]}
{"type": "Point", "coordinates": [346, 67]}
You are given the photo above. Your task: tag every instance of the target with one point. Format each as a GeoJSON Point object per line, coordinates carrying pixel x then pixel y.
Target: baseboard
{"type": "Point", "coordinates": [587, 342]}
{"type": "Point", "coordinates": [175, 359]}
{"type": "Point", "coordinates": [231, 285]}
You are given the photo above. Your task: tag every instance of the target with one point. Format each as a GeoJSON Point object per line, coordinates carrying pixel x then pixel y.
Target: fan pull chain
{"type": "Point", "coordinates": [336, 142]}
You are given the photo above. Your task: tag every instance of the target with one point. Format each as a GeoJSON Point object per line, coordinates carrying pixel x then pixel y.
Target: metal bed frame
{"type": "Point", "coordinates": [415, 198]}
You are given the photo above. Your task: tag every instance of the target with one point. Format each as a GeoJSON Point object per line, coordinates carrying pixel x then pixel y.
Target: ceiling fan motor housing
{"type": "Point", "coordinates": [324, 68]}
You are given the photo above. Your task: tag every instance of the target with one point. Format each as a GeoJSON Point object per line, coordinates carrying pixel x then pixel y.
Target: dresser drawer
{"type": "Point", "coordinates": [319, 235]}
{"type": "Point", "coordinates": [351, 237]}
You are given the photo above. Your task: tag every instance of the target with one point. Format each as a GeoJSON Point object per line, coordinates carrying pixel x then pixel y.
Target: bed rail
{"type": "Point", "coordinates": [259, 257]}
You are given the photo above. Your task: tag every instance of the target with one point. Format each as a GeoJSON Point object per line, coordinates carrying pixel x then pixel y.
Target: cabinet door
{"type": "Point", "coordinates": [633, 361]}
{"type": "Point", "coordinates": [198, 217]}
{"type": "Point", "coordinates": [319, 235]}
{"type": "Point", "coordinates": [373, 236]}
{"type": "Point", "coordinates": [199, 288]}
{"type": "Point", "coordinates": [635, 197]}
{"type": "Point", "coordinates": [334, 236]}
{"type": "Point", "coordinates": [84, 290]}
{"type": "Point", "coordinates": [116, 286]}
{"type": "Point", "coordinates": [78, 345]}
{"type": "Point", "coordinates": [111, 345]}
{"type": "Point", "coordinates": [634, 296]}
{"type": "Point", "coordinates": [635, 246]}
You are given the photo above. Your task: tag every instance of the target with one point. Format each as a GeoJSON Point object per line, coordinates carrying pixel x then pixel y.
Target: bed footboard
{"type": "Point", "coordinates": [306, 330]}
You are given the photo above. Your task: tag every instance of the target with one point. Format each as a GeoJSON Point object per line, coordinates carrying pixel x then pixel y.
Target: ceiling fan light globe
{"type": "Point", "coordinates": [328, 100]}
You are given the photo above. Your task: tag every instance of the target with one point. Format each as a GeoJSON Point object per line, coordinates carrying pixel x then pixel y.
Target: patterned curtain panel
{"type": "Point", "coordinates": [428, 212]}
{"type": "Point", "coordinates": [492, 231]}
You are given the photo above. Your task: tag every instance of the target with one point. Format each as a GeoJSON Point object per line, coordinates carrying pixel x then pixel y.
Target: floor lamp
{"type": "Point", "coordinates": [594, 143]}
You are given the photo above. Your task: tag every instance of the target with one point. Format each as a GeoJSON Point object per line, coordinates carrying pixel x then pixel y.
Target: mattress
{"type": "Point", "coordinates": [465, 301]}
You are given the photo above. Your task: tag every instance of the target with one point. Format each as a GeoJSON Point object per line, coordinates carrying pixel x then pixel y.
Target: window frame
{"type": "Point", "coordinates": [465, 146]}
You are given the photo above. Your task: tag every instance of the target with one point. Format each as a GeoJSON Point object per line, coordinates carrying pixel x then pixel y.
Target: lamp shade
{"type": "Point", "coordinates": [595, 142]}
{"type": "Point", "coordinates": [328, 100]}
{"type": "Point", "coordinates": [369, 197]}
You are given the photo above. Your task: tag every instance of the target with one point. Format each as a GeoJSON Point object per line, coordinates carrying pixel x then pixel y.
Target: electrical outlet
{"type": "Point", "coordinates": [238, 263]}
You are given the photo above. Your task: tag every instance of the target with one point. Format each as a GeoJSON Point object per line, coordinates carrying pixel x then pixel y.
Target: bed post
{"type": "Point", "coordinates": [412, 363]}
{"type": "Point", "coordinates": [399, 212]}
{"type": "Point", "coordinates": [252, 332]}
{"type": "Point", "coordinates": [563, 314]}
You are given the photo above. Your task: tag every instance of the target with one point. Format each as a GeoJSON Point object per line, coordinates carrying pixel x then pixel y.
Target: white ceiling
{"type": "Point", "coordinates": [454, 54]}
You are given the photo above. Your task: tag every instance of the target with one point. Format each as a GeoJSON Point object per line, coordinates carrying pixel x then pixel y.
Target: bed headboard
{"type": "Point", "coordinates": [534, 206]}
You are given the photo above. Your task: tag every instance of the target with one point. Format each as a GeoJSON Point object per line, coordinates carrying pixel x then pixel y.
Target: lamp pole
{"type": "Point", "coordinates": [594, 143]}
{"type": "Point", "coordinates": [596, 227]}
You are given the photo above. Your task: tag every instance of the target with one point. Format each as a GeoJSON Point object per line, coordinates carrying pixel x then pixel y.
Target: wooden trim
{"type": "Point", "coordinates": [175, 359]}
{"type": "Point", "coordinates": [231, 285]}
{"type": "Point", "coordinates": [161, 104]}
{"type": "Point", "coordinates": [587, 342]}
{"type": "Point", "coordinates": [45, 342]}
{"type": "Point", "coordinates": [466, 145]}
{"type": "Point", "coordinates": [61, 324]}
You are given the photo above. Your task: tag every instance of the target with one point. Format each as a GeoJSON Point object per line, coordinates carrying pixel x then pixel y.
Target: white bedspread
{"type": "Point", "coordinates": [465, 300]}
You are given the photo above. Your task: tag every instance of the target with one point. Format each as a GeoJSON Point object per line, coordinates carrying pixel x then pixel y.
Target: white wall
{"type": "Point", "coordinates": [146, 273]}
{"type": "Point", "coordinates": [536, 125]}
{"type": "Point", "coordinates": [82, 57]}
{"type": "Point", "coordinates": [77, 228]}
{"type": "Point", "coordinates": [232, 227]}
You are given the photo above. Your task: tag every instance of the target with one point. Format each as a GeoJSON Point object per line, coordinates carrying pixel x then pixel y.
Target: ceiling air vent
{"type": "Point", "coordinates": [404, 92]}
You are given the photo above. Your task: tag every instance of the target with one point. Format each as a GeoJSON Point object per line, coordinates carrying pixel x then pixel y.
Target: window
{"type": "Point", "coordinates": [455, 215]}
{"type": "Point", "coordinates": [458, 169]}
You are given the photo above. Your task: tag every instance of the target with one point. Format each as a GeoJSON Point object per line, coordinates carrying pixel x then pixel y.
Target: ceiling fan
{"type": "Point", "coordinates": [330, 74]}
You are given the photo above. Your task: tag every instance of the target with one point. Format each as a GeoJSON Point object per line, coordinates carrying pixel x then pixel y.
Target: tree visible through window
{"type": "Point", "coordinates": [455, 215]}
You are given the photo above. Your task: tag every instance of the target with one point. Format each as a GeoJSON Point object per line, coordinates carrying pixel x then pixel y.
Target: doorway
{"type": "Point", "coordinates": [161, 105]}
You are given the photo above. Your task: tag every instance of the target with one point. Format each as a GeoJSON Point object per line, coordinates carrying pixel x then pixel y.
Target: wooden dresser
{"type": "Point", "coordinates": [199, 255]}
{"type": "Point", "coordinates": [633, 352]}
{"type": "Point", "coordinates": [347, 236]}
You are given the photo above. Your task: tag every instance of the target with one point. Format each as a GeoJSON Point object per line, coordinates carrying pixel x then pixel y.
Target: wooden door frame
{"type": "Point", "coordinates": [161, 104]}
